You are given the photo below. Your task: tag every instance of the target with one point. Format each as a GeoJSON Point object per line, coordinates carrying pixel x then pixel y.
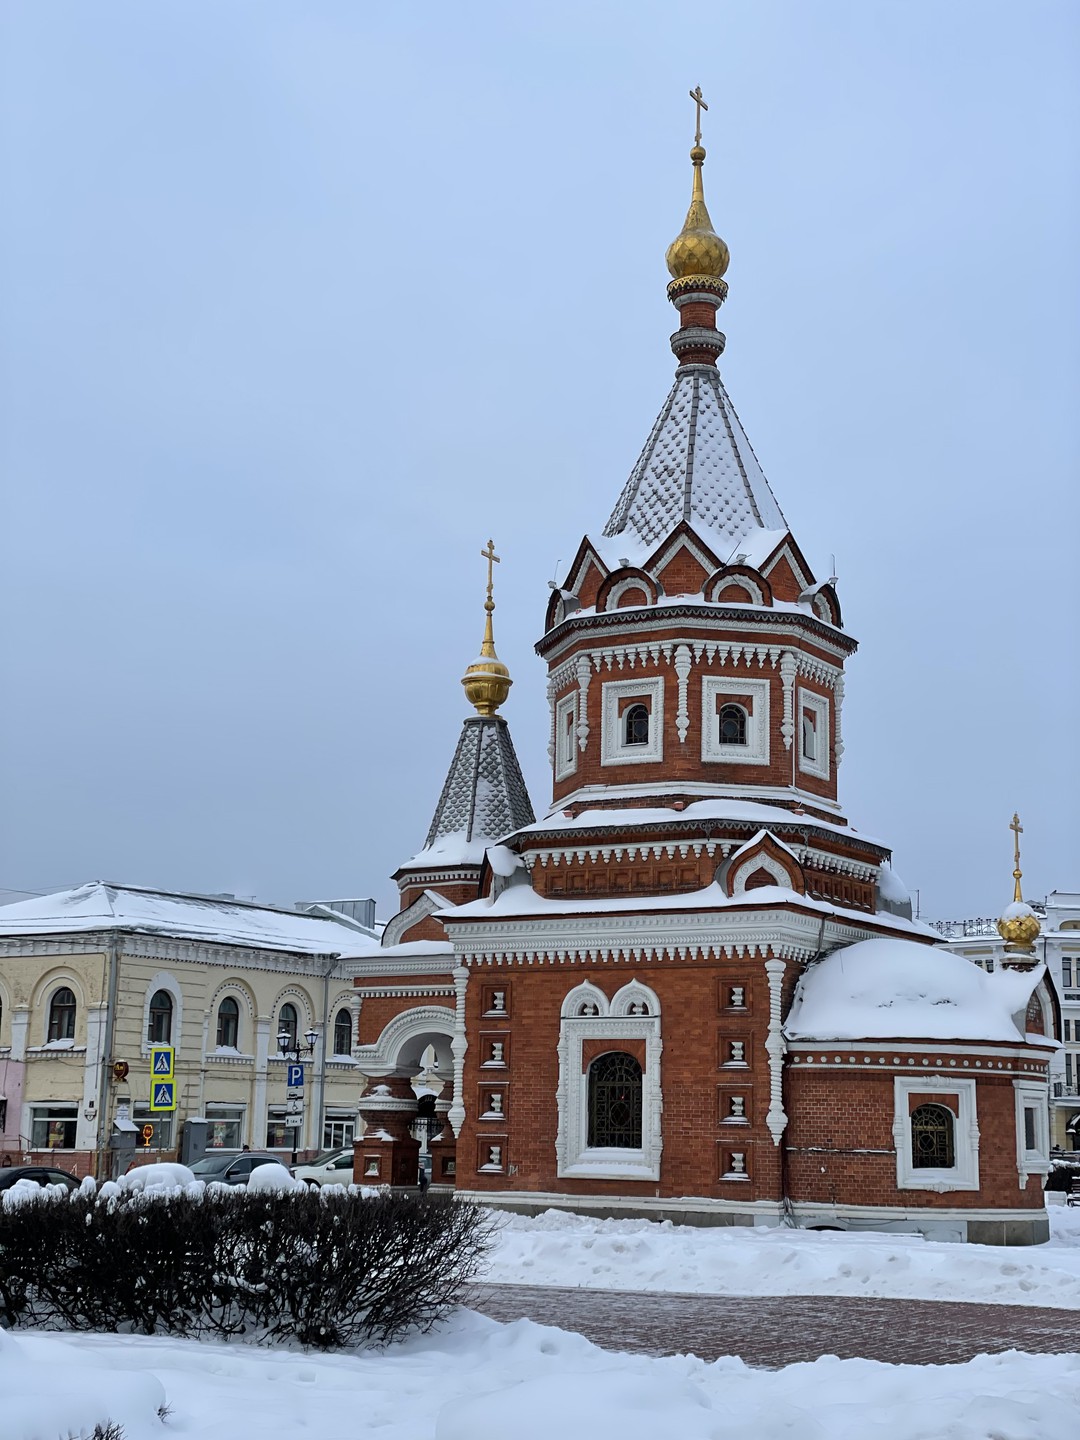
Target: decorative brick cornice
{"type": "Point", "coordinates": [786, 625]}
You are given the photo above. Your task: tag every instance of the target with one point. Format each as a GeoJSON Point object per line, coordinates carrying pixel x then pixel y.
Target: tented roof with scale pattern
{"type": "Point", "coordinates": [697, 466]}
{"type": "Point", "coordinates": [484, 797]}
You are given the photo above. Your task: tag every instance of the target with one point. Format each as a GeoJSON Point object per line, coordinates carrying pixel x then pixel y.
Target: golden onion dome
{"type": "Point", "coordinates": [487, 680]}
{"type": "Point", "coordinates": [697, 251]}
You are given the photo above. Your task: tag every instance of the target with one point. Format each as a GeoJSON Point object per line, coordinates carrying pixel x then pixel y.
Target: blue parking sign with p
{"type": "Point", "coordinates": [294, 1077]}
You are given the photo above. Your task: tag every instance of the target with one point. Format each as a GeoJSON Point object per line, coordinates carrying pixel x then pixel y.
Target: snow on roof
{"type": "Point", "coordinates": [223, 921]}
{"type": "Point", "coordinates": [718, 808]}
{"type": "Point", "coordinates": [522, 900]}
{"type": "Point", "coordinates": [896, 989]}
{"type": "Point", "coordinates": [698, 466]}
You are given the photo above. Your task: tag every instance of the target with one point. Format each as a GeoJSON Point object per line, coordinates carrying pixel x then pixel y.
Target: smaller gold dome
{"type": "Point", "coordinates": [1019, 926]}
{"type": "Point", "coordinates": [697, 251]}
{"type": "Point", "coordinates": [487, 680]}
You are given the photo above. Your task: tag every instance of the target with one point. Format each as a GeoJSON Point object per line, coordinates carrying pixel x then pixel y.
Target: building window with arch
{"type": "Point", "coordinates": [636, 725]}
{"type": "Point", "coordinates": [62, 1015]}
{"type": "Point", "coordinates": [343, 1032]}
{"type": "Point", "coordinates": [159, 1025]}
{"type": "Point", "coordinates": [228, 1024]}
{"type": "Point", "coordinates": [288, 1024]}
{"type": "Point", "coordinates": [933, 1138]}
{"type": "Point", "coordinates": [732, 725]}
{"type": "Point", "coordinates": [615, 1102]}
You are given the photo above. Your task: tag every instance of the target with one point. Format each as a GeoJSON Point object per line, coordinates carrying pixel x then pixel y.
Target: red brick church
{"type": "Point", "coordinates": [693, 990]}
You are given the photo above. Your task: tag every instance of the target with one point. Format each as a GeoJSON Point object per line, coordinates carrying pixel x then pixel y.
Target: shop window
{"type": "Point", "coordinates": [160, 1126]}
{"type": "Point", "coordinates": [225, 1127]}
{"type": "Point", "coordinates": [338, 1132]}
{"type": "Point", "coordinates": [52, 1127]}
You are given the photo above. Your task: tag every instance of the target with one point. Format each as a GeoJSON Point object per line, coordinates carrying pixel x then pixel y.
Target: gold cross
{"type": "Point", "coordinates": [492, 559]}
{"type": "Point", "coordinates": [1017, 830]}
{"type": "Point", "coordinates": [695, 95]}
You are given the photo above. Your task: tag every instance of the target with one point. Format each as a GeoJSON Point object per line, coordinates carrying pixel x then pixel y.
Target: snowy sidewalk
{"type": "Point", "coordinates": [772, 1332]}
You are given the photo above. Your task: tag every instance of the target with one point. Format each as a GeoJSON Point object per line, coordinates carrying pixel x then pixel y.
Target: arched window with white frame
{"type": "Point", "coordinates": [288, 1025]}
{"type": "Point", "coordinates": [62, 1009]}
{"type": "Point", "coordinates": [636, 725]}
{"type": "Point", "coordinates": [160, 1018]}
{"type": "Point", "coordinates": [615, 1102]}
{"type": "Point", "coordinates": [228, 1024]}
{"type": "Point", "coordinates": [343, 1032]}
{"type": "Point", "coordinates": [732, 725]}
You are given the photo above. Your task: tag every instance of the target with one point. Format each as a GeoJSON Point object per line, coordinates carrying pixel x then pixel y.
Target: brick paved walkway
{"type": "Point", "coordinates": [773, 1331]}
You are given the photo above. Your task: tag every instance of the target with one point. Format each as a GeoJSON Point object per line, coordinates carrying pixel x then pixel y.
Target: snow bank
{"type": "Point", "coordinates": [558, 1248]}
{"type": "Point", "coordinates": [893, 989]}
{"type": "Point", "coordinates": [476, 1378]}
{"type": "Point", "coordinates": [273, 1177]}
{"type": "Point", "coordinates": [163, 1176]}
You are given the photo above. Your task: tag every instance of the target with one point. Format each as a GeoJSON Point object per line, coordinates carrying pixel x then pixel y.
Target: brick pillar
{"type": "Point", "coordinates": [386, 1154]}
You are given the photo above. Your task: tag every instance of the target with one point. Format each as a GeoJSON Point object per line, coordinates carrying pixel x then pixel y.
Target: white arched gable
{"type": "Point", "coordinates": [168, 982]}
{"type": "Point", "coordinates": [411, 1025]}
{"type": "Point", "coordinates": [628, 587]}
{"type": "Point", "coordinates": [635, 994]}
{"type": "Point", "coordinates": [751, 865]}
{"type": "Point", "coordinates": [584, 995]}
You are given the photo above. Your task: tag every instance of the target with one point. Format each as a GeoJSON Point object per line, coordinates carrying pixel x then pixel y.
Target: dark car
{"type": "Point", "coordinates": [39, 1174]}
{"type": "Point", "coordinates": [233, 1169]}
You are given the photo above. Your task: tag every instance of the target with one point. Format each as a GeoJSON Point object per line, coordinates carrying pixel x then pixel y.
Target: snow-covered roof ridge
{"type": "Point", "coordinates": [698, 466]}
{"type": "Point", "coordinates": [483, 798]}
{"type": "Point", "coordinates": [217, 919]}
{"type": "Point", "coordinates": [898, 989]}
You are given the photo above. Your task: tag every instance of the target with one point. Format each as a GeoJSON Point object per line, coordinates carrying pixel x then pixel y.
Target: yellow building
{"type": "Point", "coordinates": [91, 977]}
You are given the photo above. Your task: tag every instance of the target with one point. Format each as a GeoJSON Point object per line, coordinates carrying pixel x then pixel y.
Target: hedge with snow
{"type": "Point", "coordinates": [327, 1267]}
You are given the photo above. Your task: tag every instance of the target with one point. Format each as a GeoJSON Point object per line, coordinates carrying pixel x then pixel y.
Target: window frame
{"type": "Point", "coordinates": [948, 1132]}
{"type": "Point", "coordinates": [163, 1139]}
{"type": "Point", "coordinates": [963, 1174]}
{"type": "Point", "coordinates": [151, 1012]}
{"type": "Point", "coordinates": [566, 748]}
{"type": "Point", "coordinates": [619, 696]}
{"type": "Point", "coordinates": [718, 691]}
{"type": "Point", "coordinates": [347, 1121]}
{"type": "Point", "coordinates": [224, 1044]}
{"type": "Point", "coordinates": [292, 1027]}
{"type": "Point", "coordinates": [819, 764]}
{"type": "Point", "coordinates": [1031, 1096]}
{"type": "Point", "coordinates": [71, 1010]}
{"type": "Point", "coordinates": [597, 1085]}
{"type": "Point", "coordinates": [48, 1114]}
{"type": "Point", "coordinates": [350, 1029]}
{"type": "Point", "coordinates": [224, 1114]}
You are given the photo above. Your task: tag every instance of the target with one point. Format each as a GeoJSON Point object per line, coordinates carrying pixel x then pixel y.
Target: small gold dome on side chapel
{"type": "Point", "coordinates": [487, 680]}
{"type": "Point", "coordinates": [697, 250]}
{"type": "Point", "coordinates": [1019, 926]}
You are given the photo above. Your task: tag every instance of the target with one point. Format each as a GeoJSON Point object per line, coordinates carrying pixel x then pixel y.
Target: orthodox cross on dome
{"type": "Point", "coordinates": [1017, 830]}
{"type": "Point", "coordinates": [492, 559]}
{"type": "Point", "coordinates": [487, 681]}
{"type": "Point", "coordinates": [696, 96]}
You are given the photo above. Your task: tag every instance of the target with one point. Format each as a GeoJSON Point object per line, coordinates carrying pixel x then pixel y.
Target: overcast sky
{"type": "Point", "coordinates": [302, 301]}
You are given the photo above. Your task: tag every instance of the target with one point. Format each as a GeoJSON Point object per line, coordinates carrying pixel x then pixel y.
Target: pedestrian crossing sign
{"type": "Point", "coordinates": [163, 1095]}
{"type": "Point", "coordinates": [161, 1061]}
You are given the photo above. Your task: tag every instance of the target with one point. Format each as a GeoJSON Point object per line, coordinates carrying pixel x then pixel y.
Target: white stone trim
{"type": "Point", "coordinates": [584, 675]}
{"type": "Point", "coordinates": [459, 1044]}
{"type": "Point", "coordinates": [750, 864]}
{"type": "Point", "coordinates": [818, 706]}
{"type": "Point", "coordinates": [168, 982]}
{"type": "Point", "coordinates": [964, 1175]}
{"type": "Point", "coordinates": [789, 666]}
{"type": "Point", "coordinates": [650, 691]}
{"type": "Point", "coordinates": [1032, 1095]}
{"type": "Point", "coordinates": [574, 1157]}
{"type": "Point", "coordinates": [756, 749]}
{"type": "Point", "coordinates": [838, 743]}
{"type": "Point", "coordinates": [383, 1057]}
{"type": "Point", "coordinates": [683, 663]}
{"type": "Point", "coordinates": [779, 627]}
{"type": "Point", "coordinates": [788, 795]}
{"type": "Point", "coordinates": [565, 738]}
{"type": "Point", "coordinates": [623, 587]}
{"type": "Point", "coordinates": [423, 906]}
{"type": "Point", "coordinates": [775, 1047]}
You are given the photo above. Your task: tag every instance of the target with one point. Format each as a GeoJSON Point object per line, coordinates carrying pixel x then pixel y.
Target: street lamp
{"type": "Point", "coordinates": [291, 1049]}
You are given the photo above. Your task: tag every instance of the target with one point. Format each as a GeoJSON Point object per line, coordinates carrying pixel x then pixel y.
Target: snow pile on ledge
{"type": "Point", "coordinates": [557, 1248]}
{"type": "Point", "coordinates": [893, 989]}
{"type": "Point", "coordinates": [476, 1378]}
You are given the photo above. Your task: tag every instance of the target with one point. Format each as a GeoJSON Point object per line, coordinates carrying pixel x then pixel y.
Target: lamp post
{"type": "Point", "coordinates": [291, 1049]}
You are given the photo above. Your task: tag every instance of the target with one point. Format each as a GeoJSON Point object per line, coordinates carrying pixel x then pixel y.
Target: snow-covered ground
{"type": "Point", "coordinates": [478, 1380]}
{"type": "Point", "coordinates": [557, 1248]}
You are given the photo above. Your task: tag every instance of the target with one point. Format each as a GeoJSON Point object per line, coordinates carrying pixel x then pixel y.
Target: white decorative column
{"type": "Point", "coordinates": [683, 661]}
{"type": "Point", "coordinates": [551, 725]}
{"type": "Point", "coordinates": [838, 692]}
{"type": "Point", "coordinates": [356, 1005]}
{"type": "Point", "coordinates": [86, 1131]}
{"type": "Point", "coordinates": [584, 674]}
{"type": "Point", "coordinates": [776, 1048]}
{"type": "Point", "coordinates": [257, 1118]}
{"type": "Point", "coordinates": [458, 1046]}
{"type": "Point", "coordinates": [20, 1029]}
{"type": "Point", "coordinates": [788, 667]}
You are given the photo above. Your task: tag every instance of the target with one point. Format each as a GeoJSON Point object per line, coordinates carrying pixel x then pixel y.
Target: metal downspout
{"type": "Point", "coordinates": [112, 960]}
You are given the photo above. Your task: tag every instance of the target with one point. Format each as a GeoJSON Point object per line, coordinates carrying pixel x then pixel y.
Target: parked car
{"type": "Point", "coordinates": [40, 1175]}
{"type": "Point", "coordinates": [233, 1169]}
{"type": "Point", "coordinates": [333, 1167]}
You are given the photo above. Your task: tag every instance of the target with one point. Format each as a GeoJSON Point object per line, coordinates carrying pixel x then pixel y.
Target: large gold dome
{"type": "Point", "coordinates": [697, 251]}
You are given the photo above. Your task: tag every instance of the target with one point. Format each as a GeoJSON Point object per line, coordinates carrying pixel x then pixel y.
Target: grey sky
{"type": "Point", "coordinates": [302, 301]}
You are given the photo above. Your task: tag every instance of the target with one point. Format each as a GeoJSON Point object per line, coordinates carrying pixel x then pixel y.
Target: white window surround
{"type": "Point", "coordinates": [618, 695]}
{"type": "Point", "coordinates": [163, 980]}
{"type": "Point", "coordinates": [818, 706]}
{"type": "Point", "coordinates": [566, 747]}
{"type": "Point", "coordinates": [717, 687]}
{"type": "Point", "coordinates": [626, 587]}
{"type": "Point", "coordinates": [612, 1022]}
{"type": "Point", "coordinates": [964, 1175]}
{"type": "Point", "coordinates": [1031, 1095]}
{"type": "Point", "coordinates": [751, 865]}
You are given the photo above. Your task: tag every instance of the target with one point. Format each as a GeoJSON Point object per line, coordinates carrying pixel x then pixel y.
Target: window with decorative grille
{"type": "Point", "coordinates": [932, 1138]}
{"type": "Point", "coordinates": [732, 725]}
{"type": "Point", "coordinates": [636, 725]}
{"type": "Point", "coordinates": [615, 1102]}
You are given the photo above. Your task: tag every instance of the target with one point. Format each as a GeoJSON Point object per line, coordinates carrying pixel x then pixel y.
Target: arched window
{"type": "Point", "coordinates": [288, 1024]}
{"type": "Point", "coordinates": [615, 1102]}
{"type": "Point", "coordinates": [732, 725]}
{"type": "Point", "coordinates": [809, 737]}
{"type": "Point", "coordinates": [343, 1032]}
{"type": "Point", "coordinates": [636, 725]}
{"type": "Point", "coordinates": [932, 1138]}
{"type": "Point", "coordinates": [159, 1030]}
{"type": "Point", "coordinates": [62, 1015]}
{"type": "Point", "coordinates": [228, 1024]}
